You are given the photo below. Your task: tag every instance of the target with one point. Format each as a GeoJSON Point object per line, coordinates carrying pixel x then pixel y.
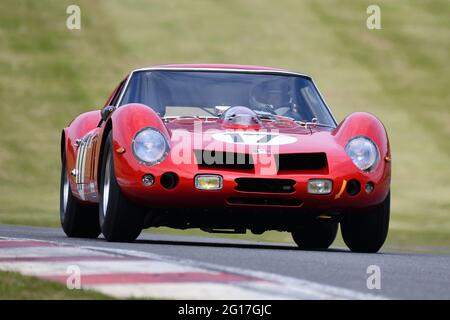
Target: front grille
{"type": "Point", "coordinates": [211, 159]}
{"type": "Point", "coordinates": [265, 185]}
{"type": "Point", "coordinates": [302, 162]}
{"type": "Point", "coordinates": [287, 202]}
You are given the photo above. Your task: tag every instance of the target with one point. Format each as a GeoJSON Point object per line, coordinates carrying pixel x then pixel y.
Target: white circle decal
{"type": "Point", "coordinates": [254, 138]}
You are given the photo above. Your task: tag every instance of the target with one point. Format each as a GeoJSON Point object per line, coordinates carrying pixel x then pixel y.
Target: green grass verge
{"type": "Point", "coordinates": [49, 74]}
{"type": "Point", "coordinates": [14, 286]}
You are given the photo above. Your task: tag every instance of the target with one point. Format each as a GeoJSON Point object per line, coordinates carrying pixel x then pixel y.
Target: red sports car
{"type": "Point", "coordinates": [225, 148]}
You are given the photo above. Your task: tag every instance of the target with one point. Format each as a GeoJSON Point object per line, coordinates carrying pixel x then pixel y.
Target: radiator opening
{"type": "Point", "coordinates": [302, 162]}
{"type": "Point", "coordinates": [211, 159]}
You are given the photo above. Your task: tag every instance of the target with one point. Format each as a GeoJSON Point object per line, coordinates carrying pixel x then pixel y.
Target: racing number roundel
{"type": "Point", "coordinates": [254, 138]}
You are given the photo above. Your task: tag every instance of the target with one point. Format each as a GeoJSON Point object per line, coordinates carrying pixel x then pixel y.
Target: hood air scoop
{"type": "Point", "coordinates": [240, 118]}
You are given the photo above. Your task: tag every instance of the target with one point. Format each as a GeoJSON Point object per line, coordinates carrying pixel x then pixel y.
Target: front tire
{"type": "Point", "coordinates": [77, 221]}
{"type": "Point", "coordinates": [120, 219]}
{"type": "Point", "coordinates": [367, 230]}
{"type": "Point", "coordinates": [317, 234]}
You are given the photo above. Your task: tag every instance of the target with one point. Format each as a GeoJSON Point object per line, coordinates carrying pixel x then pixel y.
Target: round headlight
{"type": "Point", "coordinates": [150, 146]}
{"type": "Point", "coordinates": [363, 152]}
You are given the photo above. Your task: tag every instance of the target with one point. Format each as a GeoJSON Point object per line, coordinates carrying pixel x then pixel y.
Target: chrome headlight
{"type": "Point", "coordinates": [150, 147]}
{"type": "Point", "coordinates": [363, 152]}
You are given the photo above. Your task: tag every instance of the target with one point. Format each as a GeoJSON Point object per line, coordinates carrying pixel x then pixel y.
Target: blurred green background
{"type": "Point", "coordinates": [401, 73]}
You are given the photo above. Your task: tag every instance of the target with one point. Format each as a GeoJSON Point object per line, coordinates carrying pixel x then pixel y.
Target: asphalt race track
{"type": "Point", "coordinates": [403, 275]}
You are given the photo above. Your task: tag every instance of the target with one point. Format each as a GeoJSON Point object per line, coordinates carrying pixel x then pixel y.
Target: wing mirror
{"type": "Point", "coordinates": [106, 111]}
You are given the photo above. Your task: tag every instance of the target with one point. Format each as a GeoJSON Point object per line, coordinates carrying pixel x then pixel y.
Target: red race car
{"type": "Point", "coordinates": [225, 148]}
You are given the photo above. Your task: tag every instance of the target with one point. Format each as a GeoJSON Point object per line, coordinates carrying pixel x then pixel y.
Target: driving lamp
{"type": "Point", "coordinates": [208, 182]}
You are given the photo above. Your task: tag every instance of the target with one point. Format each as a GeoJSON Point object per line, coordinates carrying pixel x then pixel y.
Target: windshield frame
{"type": "Point", "coordinates": [227, 70]}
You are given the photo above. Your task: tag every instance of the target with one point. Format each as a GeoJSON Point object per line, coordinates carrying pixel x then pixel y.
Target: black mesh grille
{"type": "Point", "coordinates": [265, 185]}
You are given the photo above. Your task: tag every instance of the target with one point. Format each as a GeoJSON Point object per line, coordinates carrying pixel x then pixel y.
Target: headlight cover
{"type": "Point", "coordinates": [150, 147]}
{"type": "Point", "coordinates": [363, 152]}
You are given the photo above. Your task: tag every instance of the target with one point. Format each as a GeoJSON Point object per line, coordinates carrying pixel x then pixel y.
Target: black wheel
{"type": "Point", "coordinates": [120, 219]}
{"type": "Point", "coordinates": [317, 234]}
{"type": "Point", "coordinates": [366, 230]}
{"type": "Point", "coordinates": [77, 221]}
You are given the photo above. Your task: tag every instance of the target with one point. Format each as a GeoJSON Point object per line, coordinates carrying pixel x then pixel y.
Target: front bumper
{"type": "Point", "coordinates": [185, 194]}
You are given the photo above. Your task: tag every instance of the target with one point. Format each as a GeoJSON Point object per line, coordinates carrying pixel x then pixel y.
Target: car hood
{"type": "Point", "coordinates": [284, 136]}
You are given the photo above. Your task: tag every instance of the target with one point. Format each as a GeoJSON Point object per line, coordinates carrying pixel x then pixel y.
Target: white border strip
{"type": "Point", "coordinates": [294, 287]}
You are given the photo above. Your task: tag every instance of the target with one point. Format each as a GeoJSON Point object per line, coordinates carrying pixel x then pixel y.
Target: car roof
{"type": "Point", "coordinates": [221, 67]}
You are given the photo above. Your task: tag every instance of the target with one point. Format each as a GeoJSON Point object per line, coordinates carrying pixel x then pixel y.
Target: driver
{"type": "Point", "coordinates": [274, 97]}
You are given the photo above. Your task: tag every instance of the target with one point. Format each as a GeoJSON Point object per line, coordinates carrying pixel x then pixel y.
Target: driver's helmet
{"type": "Point", "coordinates": [270, 94]}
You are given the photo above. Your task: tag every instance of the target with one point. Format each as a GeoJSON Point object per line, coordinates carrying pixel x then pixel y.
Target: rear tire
{"type": "Point", "coordinates": [316, 235]}
{"type": "Point", "coordinates": [367, 230]}
{"type": "Point", "coordinates": [77, 221]}
{"type": "Point", "coordinates": [120, 219]}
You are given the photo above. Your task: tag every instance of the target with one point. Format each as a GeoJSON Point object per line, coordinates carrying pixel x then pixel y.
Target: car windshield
{"type": "Point", "coordinates": [208, 93]}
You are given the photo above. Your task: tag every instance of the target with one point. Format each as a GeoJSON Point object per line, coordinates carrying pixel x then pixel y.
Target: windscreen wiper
{"type": "Point", "coordinates": [265, 115]}
{"type": "Point", "coordinates": [313, 123]}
